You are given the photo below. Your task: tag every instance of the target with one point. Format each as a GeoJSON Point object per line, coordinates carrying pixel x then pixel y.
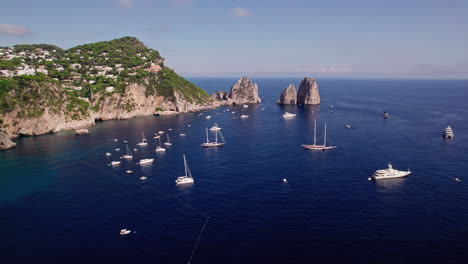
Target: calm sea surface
{"type": "Point", "coordinates": [60, 202]}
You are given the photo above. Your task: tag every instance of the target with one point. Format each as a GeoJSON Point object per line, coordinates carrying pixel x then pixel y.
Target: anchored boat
{"type": "Point", "coordinates": [319, 147]}
{"type": "Point", "coordinates": [389, 173]}
{"type": "Point", "coordinates": [188, 175]}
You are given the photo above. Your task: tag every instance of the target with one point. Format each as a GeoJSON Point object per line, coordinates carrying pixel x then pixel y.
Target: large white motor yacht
{"type": "Point", "coordinates": [389, 173]}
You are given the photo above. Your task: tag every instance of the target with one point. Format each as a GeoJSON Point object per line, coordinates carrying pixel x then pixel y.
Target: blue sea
{"type": "Point", "coordinates": [60, 201]}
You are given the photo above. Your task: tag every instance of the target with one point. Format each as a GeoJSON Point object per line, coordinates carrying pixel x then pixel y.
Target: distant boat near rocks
{"type": "Point", "coordinates": [82, 131]}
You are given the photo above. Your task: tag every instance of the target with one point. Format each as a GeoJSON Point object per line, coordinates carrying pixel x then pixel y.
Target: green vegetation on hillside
{"type": "Point", "coordinates": [169, 81]}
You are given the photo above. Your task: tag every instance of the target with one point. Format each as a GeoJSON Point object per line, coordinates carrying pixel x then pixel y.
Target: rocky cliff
{"type": "Point", "coordinates": [35, 105]}
{"type": "Point", "coordinates": [308, 92]}
{"type": "Point", "coordinates": [242, 92]}
{"type": "Point", "coordinates": [288, 96]}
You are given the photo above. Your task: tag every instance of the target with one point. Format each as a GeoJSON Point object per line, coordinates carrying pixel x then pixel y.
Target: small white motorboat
{"type": "Point", "coordinates": [170, 129]}
{"type": "Point", "coordinates": [129, 172]}
{"type": "Point", "coordinates": [233, 112]}
{"type": "Point", "coordinates": [135, 149]}
{"type": "Point", "coordinates": [457, 180]}
{"type": "Point", "coordinates": [125, 142]}
{"type": "Point", "coordinates": [125, 232]}
{"type": "Point", "coordinates": [115, 163]}
{"type": "Point", "coordinates": [215, 127]}
{"type": "Point", "coordinates": [285, 181]}
{"type": "Point", "coordinates": [143, 178]}
{"type": "Point", "coordinates": [348, 126]}
{"type": "Point", "coordinates": [161, 132]}
{"type": "Point", "coordinates": [208, 117]}
{"type": "Point", "coordinates": [108, 154]}
{"type": "Point", "coordinates": [244, 116]}
{"type": "Point", "coordinates": [245, 106]}
{"type": "Point", "coordinates": [189, 125]}
{"type": "Point", "coordinates": [117, 149]}
{"type": "Point", "coordinates": [182, 135]}
{"type": "Point", "coordinates": [145, 161]}
{"type": "Point", "coordinates": [288, 115]}
{"type": "Point", "coordinates": [116, 140]}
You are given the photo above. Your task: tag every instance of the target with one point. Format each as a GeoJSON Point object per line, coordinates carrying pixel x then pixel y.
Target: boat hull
{"type": "Point", "coordinates": [405, 174]}
{"type": "Point", "coordinates": [207, 145]}
{"type": "Point", "coordinates": [318, 147]}
{"type": "Point", "coordinates": [183, 180]}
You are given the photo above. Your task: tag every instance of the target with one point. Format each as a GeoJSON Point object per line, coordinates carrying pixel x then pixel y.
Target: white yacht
{"type": "Point", "coordinates": [215, 127]}
{"type": "Point", "coordinates": [145, 161]}
{"type": "Point", "coordinates": [288, 115]}
{"type": "Point", "coordinates": [244, 116]}
{"type": "Point", "coordinates": [159, 148]}
{"type": "Point", "coordinates": [161, 132]}
{"type": "Point", "coordinates": [108, 154]}
{"type": "Point", "coordinates": [215, 143]}
{"type": "Point", "coordinates": [115, 163]}
{"type": "Point", "coordinates": [129, 153]}
{"type": "Point", "coordinates": [389, 173]}
{"type": "Point", "coordinates": [125, 232]}
{"type": "Point", "coordinates": [168, 142]}
{"type": "Point", "coordinates": [143, 178]}
{"type": "Point", "coordinates": [319, 147]}
{"type": "Point", "coordinates": [187, 178]}
{"type": "Point", "coordinates": [208, 117]}
{"type": "Point", "coordinates": [245, 106]}
{"type": "Point", "coordinates": [143, 142]}
{"type": "Point", "coordinates": [182, 135]}
{"type": "Point", "coordinates": [117, 149]}
{"type": "Point", "coordinates": [448, 132]}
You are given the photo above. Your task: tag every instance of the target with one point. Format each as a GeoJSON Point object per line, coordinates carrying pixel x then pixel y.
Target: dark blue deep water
{"type": "Point", "coordinates": [61, 203]}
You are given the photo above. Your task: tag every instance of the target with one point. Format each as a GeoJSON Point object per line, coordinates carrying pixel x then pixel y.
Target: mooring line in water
{"type": "Point", "coordinates": [165, 194]}
{"type": "Point", "coordinates": [198, 239]}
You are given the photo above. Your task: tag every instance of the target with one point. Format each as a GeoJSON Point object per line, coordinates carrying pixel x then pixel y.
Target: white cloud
{"type": "Point", "coordinates": [125, 3]}
{"type": "Point", "coordinates": [241, 12]}
{"type": "Point", "coordinates": [14, 30]}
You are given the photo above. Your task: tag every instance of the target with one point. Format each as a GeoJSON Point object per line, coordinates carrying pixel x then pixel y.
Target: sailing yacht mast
{"type": "Point", "coordinates": [315, 131]}
{"type": "Point", "coordinates": [325, 136]}
{"type": "Point", "coordinates": [207, 140]}
{"type": "Point", "coordinates": [216, 136]}
{"type": "Point", "coordinates": [185, 166]}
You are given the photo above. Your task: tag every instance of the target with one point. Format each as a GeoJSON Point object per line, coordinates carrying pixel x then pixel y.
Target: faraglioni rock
{"type": "Point", "coordinates": [242, 92]}
{"type": "Point", "coordinates": [288, 96]}
{"type": "Point", "coordinates": [5, 142]}
{"type": "Point", "coordinates": [308, 92]}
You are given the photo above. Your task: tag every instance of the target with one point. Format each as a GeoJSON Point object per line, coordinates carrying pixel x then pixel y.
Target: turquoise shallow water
{"type": "Point", "coordinates": [60, 202]}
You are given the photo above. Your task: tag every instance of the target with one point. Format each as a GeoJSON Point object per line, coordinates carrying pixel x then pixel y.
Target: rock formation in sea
{"type": "Point", "coordinates": [308, 92]}
{"type": "Point", "coordinates": [288, 96]}
{"type": "Point", "coordinates": [242, 92]}
{"type": "Point", "coordinates": [5, 142]}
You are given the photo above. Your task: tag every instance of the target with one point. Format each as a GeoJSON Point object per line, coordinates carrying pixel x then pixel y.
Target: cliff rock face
{"type": "Point", "coordinates": [308, 92]}
{"type": "Point", "coordinates": [288, 96]}
{"type": "Point", "coordinates": [243, 92]}
{"type": "Point", "coordinates": [5, 142]}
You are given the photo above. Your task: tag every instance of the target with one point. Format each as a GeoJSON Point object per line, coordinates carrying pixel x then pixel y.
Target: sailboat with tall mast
{"type": "Point", "coordinates": [129, 153]}
{"type": "Point", "coordinates": [319, 147]}
{"type": "Point", "coordinates": [168, 142]}
{"type": "Point", "coordinates": [144, 141]}
{"type": "Point", "coordinates": [214, 143]}
{"type": "Point", "coordinates": [187, 178]}
{"type": "Point", "coordinates": [159, 148]}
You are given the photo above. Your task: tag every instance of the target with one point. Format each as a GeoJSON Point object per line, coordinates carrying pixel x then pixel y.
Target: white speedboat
{"type": "Point", "coordinates": [245, 106]}
{"type": "Point", "coordinates": [108, 154]}
{"type": "Point", "coordinates": [389, 173]}
{"type": "Point", "coordinates": [143, 178]}
{"type": "Point", "coordinates": [319, 147]}
{"type": "Point", "coordinates": [215, 127]}
{"type": "Point", "coordinates": [143, 142]}
{"type": "Point", "coordinates": [125, 232]}
{"type": "Point", "coordinates": [145, 161]}
{"type": "Point", "coordinates": [117, 149]}
{"type": "Point", "coordinates": [288, 115]}
{"type": "Point", "coordinates": [115, 163]}
{"type": "Point", "coordinates": [348, 126]}
{"type": "Point", "coordinates": [187, 178]}
{"type": "Point", "coordinates": [170, 129]}
{"type": "Point", "coordinates": [161, 132]}
{"type": "Point", "coordinates": [129, 172]}
{"type": "Point", "coordinates": [115, 140]}
{"type": "Point", "coordinates": [215, 143]}
{"type": "Point", "coordinates": [244, 116]}
{"type": "Point", "coordinates": [285, 181]}
{"type": "Point", "coordinates": [208, 117]}
{"type": "Point", "coordinates": [448, 132]}
{"type": "Point", "coordinates": [182, 135]}
{"type": "Point", "coordinates": [156, 137]}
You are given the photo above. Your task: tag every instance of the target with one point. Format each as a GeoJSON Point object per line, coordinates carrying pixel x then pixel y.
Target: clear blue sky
{"type": "Point", "coordinates": [359, 38]}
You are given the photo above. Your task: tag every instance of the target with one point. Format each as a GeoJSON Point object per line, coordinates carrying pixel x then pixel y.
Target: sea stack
{"type": "Point", "coordinates": [242, 92]}
{"type": "Point", "coordinates": [288, 96]}
{"type": "Point", "coordinates": [308, 92]}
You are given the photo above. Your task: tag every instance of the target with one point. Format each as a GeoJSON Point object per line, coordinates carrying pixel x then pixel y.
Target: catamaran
{"type": "Point", "coordinates": [215, 143]}
{"type": "Point", "coordinates": [319, 147]}
{"type": "Point", "coordinates": [143, 142]}
{"type": "Point", "coordinates": [389, 173]}
{"type": "Point", "coordinates": [188, 175]}
{"type": "Point", "coordinates": [160, 148]}
{"type": "Point", "coordinates": [168, 142]}
{"type": "Point", "coordinates": [215, 127]}
{"type": "Point", "coordinates": [129, 153]}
